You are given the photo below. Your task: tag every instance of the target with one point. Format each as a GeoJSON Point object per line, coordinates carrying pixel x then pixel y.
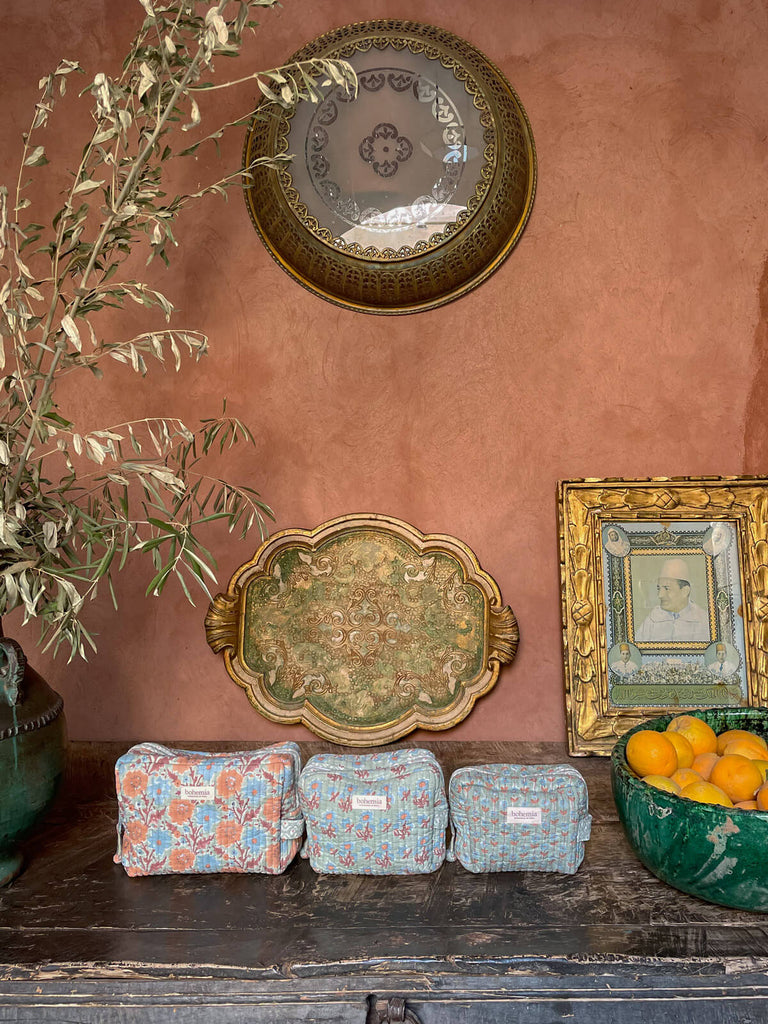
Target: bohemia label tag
{"type": "Point", "coordinates": [369, 802]}
{"type": "Point", "coordinates": [198, 793]}
{"type": "Point", "coordinates": [523, 815]}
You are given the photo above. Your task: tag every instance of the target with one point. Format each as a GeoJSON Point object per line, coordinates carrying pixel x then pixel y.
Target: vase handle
{"type": "Point", "coordinates": [13, 663]}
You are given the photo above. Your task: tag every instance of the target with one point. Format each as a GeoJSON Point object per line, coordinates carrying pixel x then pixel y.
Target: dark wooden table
{"type": "Point", "coordinates": [82, 942]}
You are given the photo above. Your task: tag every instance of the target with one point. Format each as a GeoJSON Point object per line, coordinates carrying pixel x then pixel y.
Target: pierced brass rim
{"type": "Point", "coordinates": [452, 261]}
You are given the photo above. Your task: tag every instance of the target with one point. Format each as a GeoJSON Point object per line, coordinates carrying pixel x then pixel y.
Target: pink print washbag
{"type": "Point", "coordinates": [186, 811]}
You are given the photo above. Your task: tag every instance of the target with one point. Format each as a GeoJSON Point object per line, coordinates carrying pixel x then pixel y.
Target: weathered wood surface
{"type": "Point", "coordinates": [78, 938]}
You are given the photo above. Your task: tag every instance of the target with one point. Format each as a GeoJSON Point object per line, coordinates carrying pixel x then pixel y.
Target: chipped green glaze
{"type": "Point", "coordinates": [719, 854]}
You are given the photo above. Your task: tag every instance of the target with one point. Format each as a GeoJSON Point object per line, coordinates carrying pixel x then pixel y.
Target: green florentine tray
{"type": "Point", "coordinates": [363, 629]}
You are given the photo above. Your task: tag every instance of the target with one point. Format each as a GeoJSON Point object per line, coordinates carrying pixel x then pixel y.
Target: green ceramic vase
{"type": "Point", "coordinates": [717, 853]}
{"type": "Point", "coordinates": [32, 751]}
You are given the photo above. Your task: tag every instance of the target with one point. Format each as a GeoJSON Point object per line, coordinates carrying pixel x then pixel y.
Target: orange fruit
{"type": "Point", "coordinates": [761, 797]}
{"type": "Point", "coordinates": [662, 782]}
{"type": "Point", "coordinates": [683, 747]}
{"type": "Point", "coordinates": [703, 764]}
{"type": "Point", "coordinates": [763, 766]}
{"type": "Point", "coordinates": [739, 734]}
{"type": "Point", "coordinates": [745, 748]}
{"type": "Point", "coordinates": [685, 776]}
{"type": "Point", "coordinates": [737, 776]}
{"type": "Point", "coordinates": [747, 805]}
{"type": "Point", "coordinates": [650, 753]}
{"type": "Point", "coordinates": [705, 793]}
{"type": "Point", "coordinates": [700, 735]}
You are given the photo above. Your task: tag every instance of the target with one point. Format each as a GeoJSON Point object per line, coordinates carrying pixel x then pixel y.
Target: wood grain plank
{"type": "Point", "coordinates": [74, 906]}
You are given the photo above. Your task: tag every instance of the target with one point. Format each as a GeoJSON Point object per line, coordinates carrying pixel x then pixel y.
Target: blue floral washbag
{"type": "Point", "coordinates": [374, 814]}
{"type": "Point", "coordinates": [189, 811]}
{"type": "Point", "coordinates": [511, 817]}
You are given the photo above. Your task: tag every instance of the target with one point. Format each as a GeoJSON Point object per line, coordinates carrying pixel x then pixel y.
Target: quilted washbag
{"type": "Point", "coordinates": [511, 817]}
{"type": "Point", "coordinates": [187, 811]}
{"type": "Point", "coordinates": [374, 814]}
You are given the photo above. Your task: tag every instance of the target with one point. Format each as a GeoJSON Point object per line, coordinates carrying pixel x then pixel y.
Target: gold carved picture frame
{"type": "Point", "coordinates": [664, 585]}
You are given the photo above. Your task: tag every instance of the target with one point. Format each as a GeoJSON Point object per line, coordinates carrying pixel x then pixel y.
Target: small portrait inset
{"type": "Point", "coordinates": [717, 538]}
{"type": "Point", "coordinates": [676, 617]}
{"type": "Point", "coordinates": [615, 541]}
{"type": "Point", "coordinates": [624, 659]}
{"type": "Point", "coordinates": [722, 660]}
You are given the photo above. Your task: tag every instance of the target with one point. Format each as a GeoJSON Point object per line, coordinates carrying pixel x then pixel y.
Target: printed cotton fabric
{"type": "Point", "coordinates": [508, 817]}
{"type": "Point", "coordinates": [374, 814]}
{"type": "Point", "coordinates": [187, 811]}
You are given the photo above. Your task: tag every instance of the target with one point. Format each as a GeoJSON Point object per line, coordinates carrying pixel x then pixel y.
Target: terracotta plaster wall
{"type": "Point", "coordinates": [626, 335]}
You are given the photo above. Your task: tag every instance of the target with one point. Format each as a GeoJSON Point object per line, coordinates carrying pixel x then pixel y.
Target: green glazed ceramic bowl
{"type": "Point", "coordinates": [717, 853]}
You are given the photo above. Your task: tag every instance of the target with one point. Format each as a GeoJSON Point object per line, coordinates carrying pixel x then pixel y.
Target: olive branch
{"type": "Point", "coordinates": [75, 505]}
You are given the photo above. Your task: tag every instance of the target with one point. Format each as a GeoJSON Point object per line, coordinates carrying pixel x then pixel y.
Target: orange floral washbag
{"type": "Point", "coordinates": [187, 811]}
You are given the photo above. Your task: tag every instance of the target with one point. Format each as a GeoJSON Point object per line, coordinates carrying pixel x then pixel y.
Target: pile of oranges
{"type": "Point", "coordinates": [692, 761]}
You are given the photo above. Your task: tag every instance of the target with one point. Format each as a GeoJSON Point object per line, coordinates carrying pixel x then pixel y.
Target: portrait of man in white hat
{"type": "Point", "coordinates": [676, 617]}
{"type": "Point", "coordinates": [725, 663]}
{"type": "Point", "coordinates": [624, 664]}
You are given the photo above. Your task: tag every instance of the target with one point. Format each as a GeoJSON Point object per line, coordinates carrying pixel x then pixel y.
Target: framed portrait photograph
{"type": "Point", "coordinates": [664, 600]}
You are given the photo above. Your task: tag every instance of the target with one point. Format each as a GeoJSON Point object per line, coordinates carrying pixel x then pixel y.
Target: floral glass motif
{"type": "Point", "coordinates": [384, 149]}
{"type": "Point", "coordinates": [402, 115]}
{"type": "Point", "coordinates": [435, 143]}
{"type": "Point", "coordinates": [407, 194]}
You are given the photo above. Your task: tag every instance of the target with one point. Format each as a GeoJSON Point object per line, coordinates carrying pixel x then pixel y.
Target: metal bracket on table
{"type": "Point", "coordinates": [389, 1011]}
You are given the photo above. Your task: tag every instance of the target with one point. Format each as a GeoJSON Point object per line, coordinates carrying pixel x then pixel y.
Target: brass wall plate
{"type": "Point", "coordinates": [408, 195]}
{"type": "Point", "coordinates": [363, 629]}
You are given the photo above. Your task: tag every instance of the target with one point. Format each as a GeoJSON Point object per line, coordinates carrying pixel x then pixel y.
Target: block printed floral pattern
{"type": "Point", "coordinates": [187, 811]}
{"type": "Point", "coordinates": [518, 817]}
{"type": "Point", "coordinates": [374, 814]}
